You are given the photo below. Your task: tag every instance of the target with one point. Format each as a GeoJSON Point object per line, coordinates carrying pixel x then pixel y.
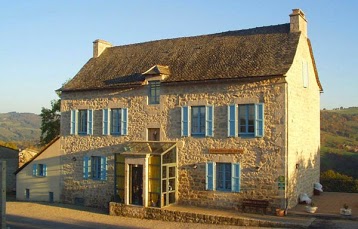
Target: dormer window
{"type": "Point", "coordinates": [153, 77]}
{"type": "Point", "coordinates": [154, 92]}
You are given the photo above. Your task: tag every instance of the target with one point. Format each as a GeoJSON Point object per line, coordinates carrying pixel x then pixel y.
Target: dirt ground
{"type": "Point", "coordinates": [43, 215]}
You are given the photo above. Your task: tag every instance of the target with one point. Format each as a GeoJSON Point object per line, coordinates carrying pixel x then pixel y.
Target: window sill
{"type": "Point", "coordinates": [246, 137]}
{"type": "Point", "coordinates": [243, 135]}
{"type": "Point", "coordinates": [116, 134]}
{"type": "Point", "coordinates": [97, 179]}
{"type": "Point", "coordinates": [82, 134]}
{"type": "Point", "coordinates": [198, 135]}
{"type": "Point", "coordinates": [223, 191]}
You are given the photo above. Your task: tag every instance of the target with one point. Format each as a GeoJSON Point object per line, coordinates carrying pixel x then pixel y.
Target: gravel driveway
{"type": "Point", "coordinates": [43, 215]}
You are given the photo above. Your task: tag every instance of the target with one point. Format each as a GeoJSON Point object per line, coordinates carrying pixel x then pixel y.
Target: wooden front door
{"type": "Point", "coordinates": [136, 184]}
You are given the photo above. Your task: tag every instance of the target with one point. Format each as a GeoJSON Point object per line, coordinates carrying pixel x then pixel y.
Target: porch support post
{"type": "Point", "coordinates": [126, 183]}
{"type": "Point", "coordinates": [145, 182]}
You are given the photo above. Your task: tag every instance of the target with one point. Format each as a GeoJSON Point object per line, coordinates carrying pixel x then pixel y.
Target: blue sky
{"type": "Point", "coordinates": [45, 43]}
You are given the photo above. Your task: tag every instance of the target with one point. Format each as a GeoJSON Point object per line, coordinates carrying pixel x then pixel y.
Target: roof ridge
{"type": "Point", "coordinates": [242, 32]}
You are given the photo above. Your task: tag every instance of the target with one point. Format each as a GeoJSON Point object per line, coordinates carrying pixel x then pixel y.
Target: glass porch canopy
{"type": "Point", "coordinates": [161, 180]}
{"type": "Point", "coordinates": [148, 147]}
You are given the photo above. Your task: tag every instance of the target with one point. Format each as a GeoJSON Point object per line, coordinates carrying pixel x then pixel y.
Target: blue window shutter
{"type": "Point", "coordinates": [86, 164]}
{"type": "Point", "coordinates": [90, 122]}
{"type": "Point", "coordinates": [259, 120]}
{"type": "Point", "coordinates": [44, 167]}
{"type": "Point", "coordinates": [34, 170]}
{"type": "Point", "coordinates": [89, 167]}
{"type": "Point", "coordinates": [232, 120]}
{"type": "Point", "coordinates": [210, 176]}
{"type": "Point", "coordinates": [73, 128]}
{"type": "Point", "coordinates": [103, 168]}
{"type": "Point", "coordinates": [209, 124]}
{"type": "Point", "coordinates": [185, 121]}
{"type": "Point", "coordinates": [105, 121]}
{"type": "Point", "coordinates": [235, 177]}
{"type": "Point", "coordinates": [124, 121]}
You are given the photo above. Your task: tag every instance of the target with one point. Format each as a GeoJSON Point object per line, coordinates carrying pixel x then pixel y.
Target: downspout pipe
{"type": "Point", "coordinates": [286, 148]}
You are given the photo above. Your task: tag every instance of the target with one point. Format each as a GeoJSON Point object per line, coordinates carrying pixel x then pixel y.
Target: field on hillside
{"type": "Point", "coordinates": [339, 147]}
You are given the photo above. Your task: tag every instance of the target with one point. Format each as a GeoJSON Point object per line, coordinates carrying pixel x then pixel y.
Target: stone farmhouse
{"type": "Point", "coordinates": [207, 121]}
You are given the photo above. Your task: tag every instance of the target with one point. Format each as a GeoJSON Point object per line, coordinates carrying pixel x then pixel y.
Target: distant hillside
{"type": "Point", "coordinates": [339, 141]}
{"type": "Point", "coordinates": [20, 127]}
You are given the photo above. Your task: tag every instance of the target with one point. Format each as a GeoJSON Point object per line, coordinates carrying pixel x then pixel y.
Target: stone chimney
{"type": "Point", "coordinates": [298, 22]}
{"type": "Point", "coordinates": [99, 46]}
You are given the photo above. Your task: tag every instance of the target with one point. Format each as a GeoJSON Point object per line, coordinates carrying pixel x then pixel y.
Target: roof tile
{"type": "Point", "coordinates": [264, 51]}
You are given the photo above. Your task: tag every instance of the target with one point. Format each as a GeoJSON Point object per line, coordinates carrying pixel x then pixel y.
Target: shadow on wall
{"type": "Point", "coordinates": [89, 192]}
{"type": "Point", "coordinates": [75, 189]}
{"type": "Point", "coordinates": [11, 157]}
{"type": "Point", "coordinates": [305, 173]}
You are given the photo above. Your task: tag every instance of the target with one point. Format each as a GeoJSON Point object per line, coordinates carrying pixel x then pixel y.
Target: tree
{"type": "Point", "coordinates": [50, 122]}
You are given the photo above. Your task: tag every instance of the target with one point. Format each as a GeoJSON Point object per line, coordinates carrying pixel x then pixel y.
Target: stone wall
{"type": "Point", "coordinates": [170, 215]}
{"type": "Point", "coordinates": [262, 160]}
{"type": "Point", "coordinates": [303, 127]}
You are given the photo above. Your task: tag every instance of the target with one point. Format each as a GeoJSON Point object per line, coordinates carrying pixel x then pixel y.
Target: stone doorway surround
{"type": "Point", "coordinates": [129, 162]}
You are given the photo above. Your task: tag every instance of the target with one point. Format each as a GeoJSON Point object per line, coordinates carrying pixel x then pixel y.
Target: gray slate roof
{"type": "Point", "coordinates": [258, 52]}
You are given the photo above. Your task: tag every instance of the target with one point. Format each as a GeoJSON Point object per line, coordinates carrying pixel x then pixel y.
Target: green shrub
{"type": "Point", "coordinates": [335, 182]}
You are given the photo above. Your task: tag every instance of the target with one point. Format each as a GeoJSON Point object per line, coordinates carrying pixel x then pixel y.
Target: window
{"type": "Point", "coordinates": [223, 176]}
{"type": "Point", "coordinates": [27, 194]}
{"type": "Point", "coordinates": [305, 75]}
{"type": "Point", "coordinates": [197, 121]}
{"type": "Point", "coordinates": [50, 197]}
{"type": "Point", "coordinates": [115, 121]}
{"type": "Point", "coordinates": [81, 122]}
{"type": "Point", "coordinates": [246, 120]}
{"type": "Point", "coordinates": [95, 168]}
{"type": "Point", "coordinates": [154, 92]}
{"type": "Point", "coordinates": [39, 170]}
